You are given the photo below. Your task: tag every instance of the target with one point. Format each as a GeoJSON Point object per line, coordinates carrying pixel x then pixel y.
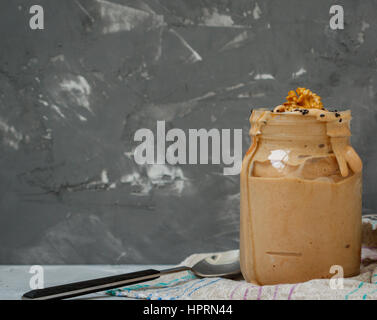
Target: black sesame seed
{"type": "Point", "coordinates": [321, 115]}
{"type": "Point", "coordinates": [337, 115]}
{"type": "Point", "coordinates": [304, 112]}
{"type": "Point", "coordinates": [340, 120]}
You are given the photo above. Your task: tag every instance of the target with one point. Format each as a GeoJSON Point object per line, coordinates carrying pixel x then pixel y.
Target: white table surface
{"type": "Point", "coordinates": [14, 279]}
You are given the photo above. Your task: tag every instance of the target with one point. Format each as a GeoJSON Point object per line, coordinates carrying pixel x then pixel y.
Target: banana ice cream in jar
{"type": "Point", "coordinates": [301, 186]}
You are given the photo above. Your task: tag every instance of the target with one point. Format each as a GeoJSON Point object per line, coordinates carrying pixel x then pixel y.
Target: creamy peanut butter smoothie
{"type": "Point", "coordinates": [300, 194]}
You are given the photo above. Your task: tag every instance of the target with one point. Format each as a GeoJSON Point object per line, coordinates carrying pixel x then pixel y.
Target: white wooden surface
{"type": "Point", "coordinates": [15, 279]}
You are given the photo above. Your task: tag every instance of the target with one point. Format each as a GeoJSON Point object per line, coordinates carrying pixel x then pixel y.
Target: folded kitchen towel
{"type": "Point", "coordinates": [185, 285]}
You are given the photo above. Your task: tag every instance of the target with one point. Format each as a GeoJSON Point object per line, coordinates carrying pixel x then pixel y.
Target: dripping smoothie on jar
{"type": "Point", "coordinates": [300, 194]}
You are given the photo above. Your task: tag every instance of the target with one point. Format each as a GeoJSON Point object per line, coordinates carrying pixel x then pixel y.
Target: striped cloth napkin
{"type": "Point", "coordinates": [186, 286]}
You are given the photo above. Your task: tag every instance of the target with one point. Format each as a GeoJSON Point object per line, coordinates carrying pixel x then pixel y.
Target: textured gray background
{"type": "Point", "coordinates": [72, 96]}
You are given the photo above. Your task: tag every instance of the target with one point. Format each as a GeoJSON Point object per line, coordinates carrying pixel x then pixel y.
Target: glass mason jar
{"type": "Point", "coordinates": [300, 198]}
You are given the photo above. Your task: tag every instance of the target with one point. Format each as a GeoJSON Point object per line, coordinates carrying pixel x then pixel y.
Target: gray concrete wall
{"type": "Point", "coordinates": [72, 96]}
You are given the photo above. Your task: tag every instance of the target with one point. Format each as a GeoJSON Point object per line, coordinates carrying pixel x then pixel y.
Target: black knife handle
{"type": "Point", "coordinates": [84, 287]}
